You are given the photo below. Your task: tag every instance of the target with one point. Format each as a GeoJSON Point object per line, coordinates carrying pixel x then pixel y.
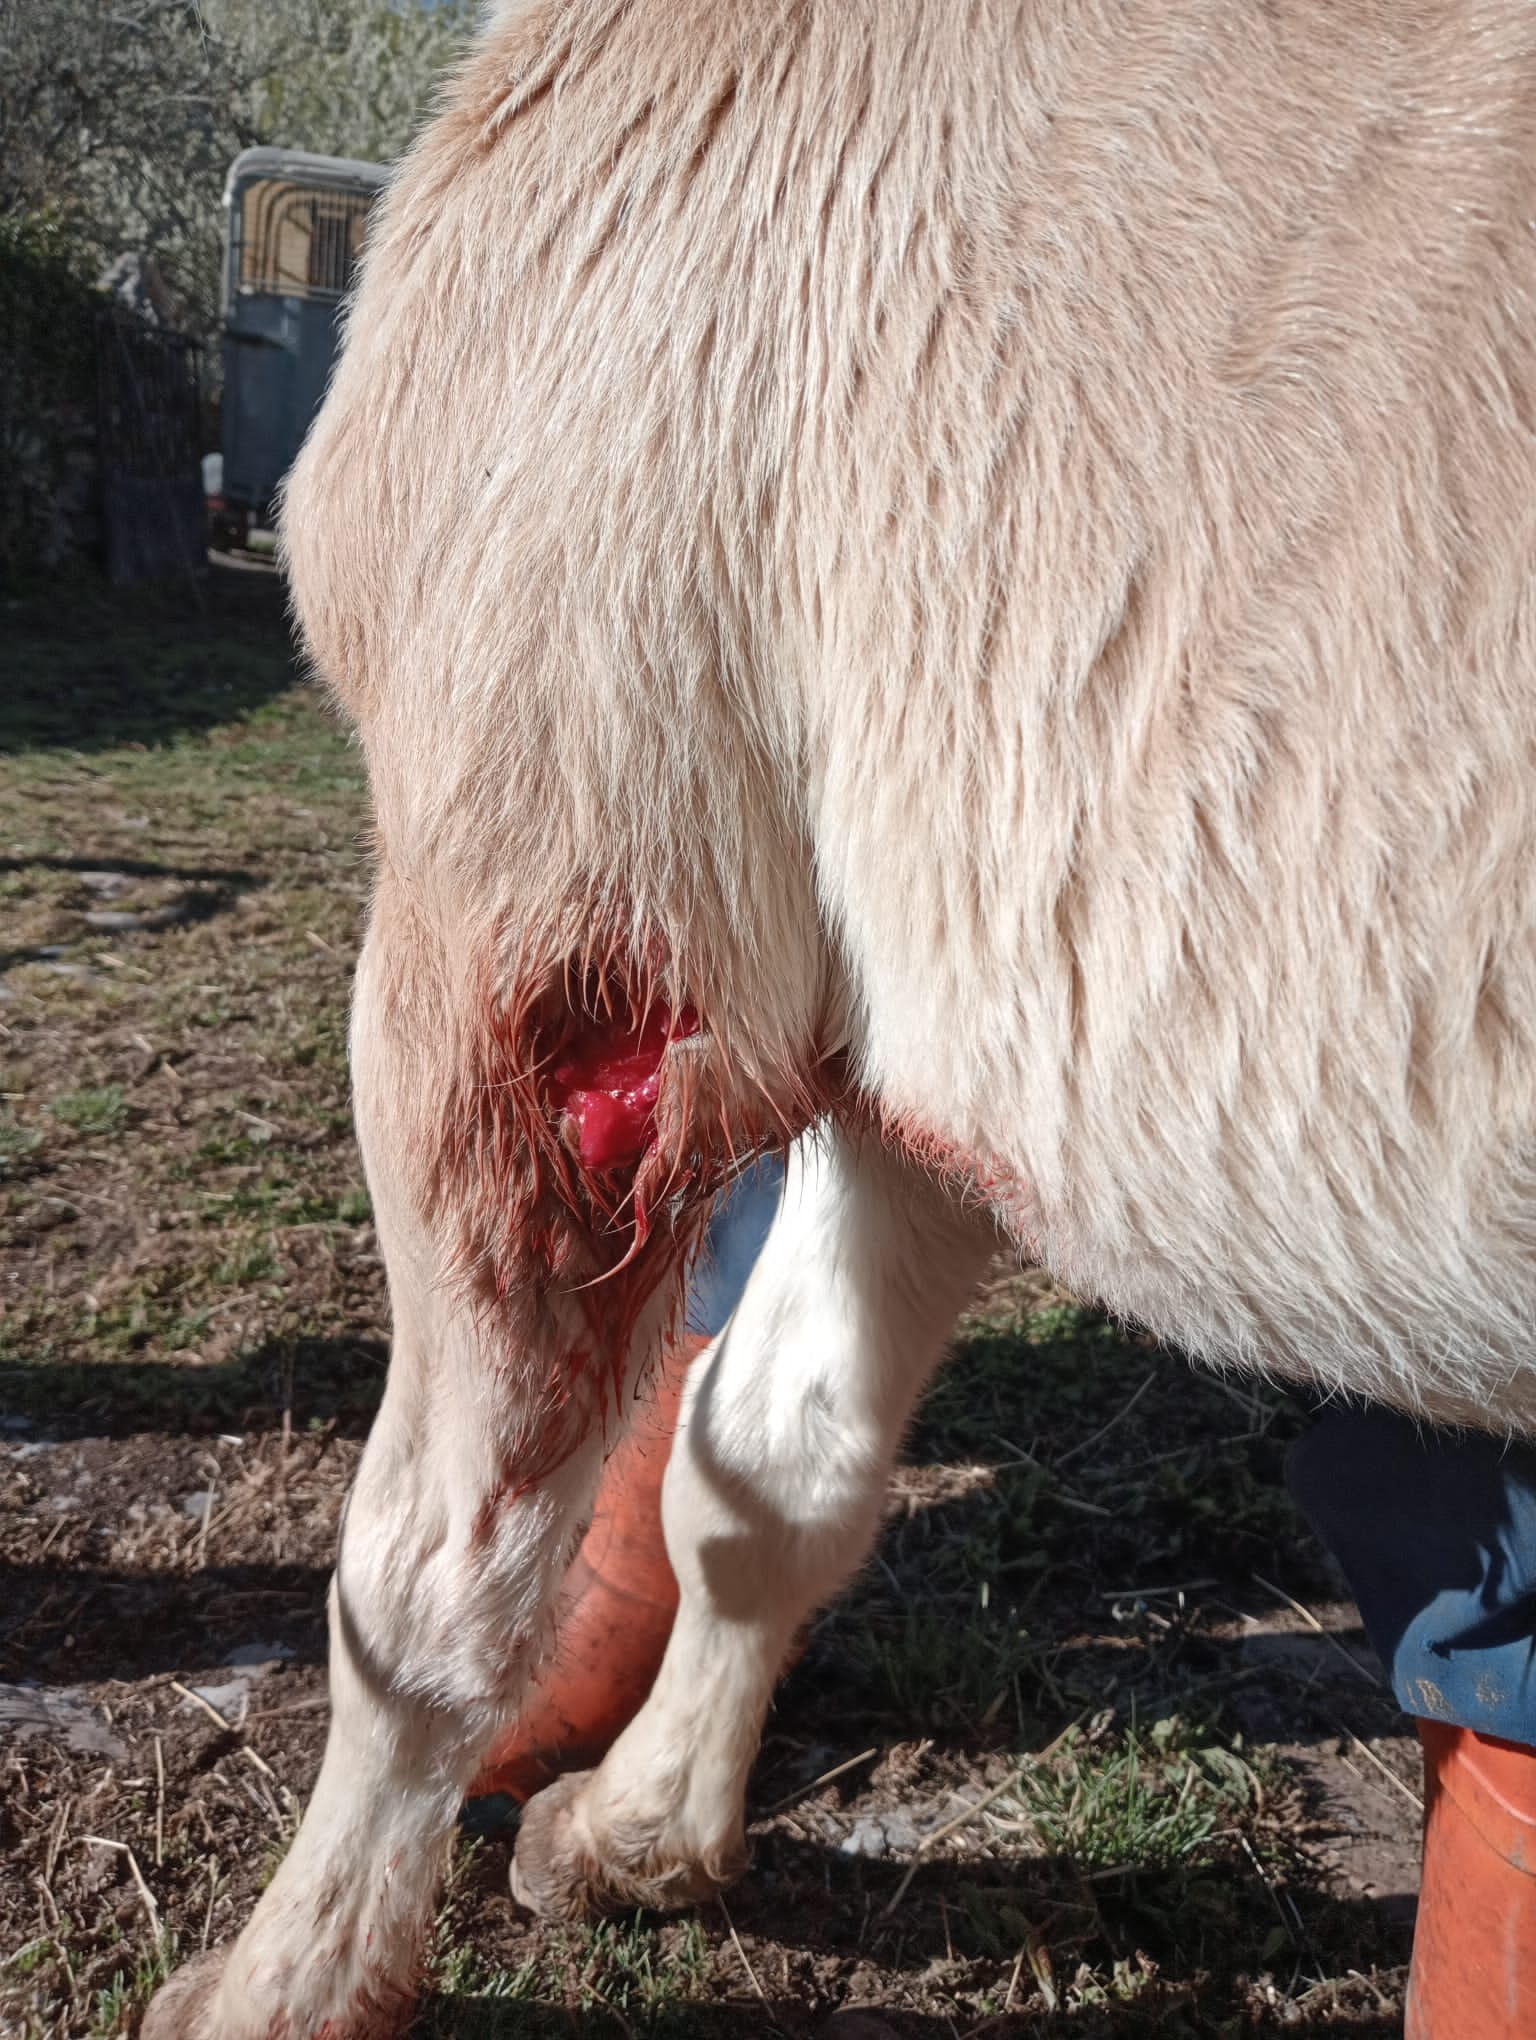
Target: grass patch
{"type": "Point", "coordinates": [643, 1971]}
{"type": "Point", "coordinates": [182, 831]}
{"type": "Point", "coordinates": [121, 2003]}
{"type": "Point", "coordinates": [17, 1143]}
{"type": "Point", "coordinates": [95, 1112]}
{"type": "Point", "coordinates": [1145, 1799]}
{"type": "Point", "coordinates": [650, 1974]}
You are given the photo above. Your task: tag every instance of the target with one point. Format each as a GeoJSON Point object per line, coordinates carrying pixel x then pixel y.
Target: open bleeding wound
{"type": "Point", "coordinates": [605, 1085]}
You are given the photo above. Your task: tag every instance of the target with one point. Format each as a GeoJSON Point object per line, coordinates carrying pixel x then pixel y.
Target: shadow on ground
{"type": "Point", "coordinates": [332, 1382]}
{"type": "Point", "coordinates": [208, 894]}
{"type": "Point", "coordinates": [1177, 1947]}
{"type": "Point", "coordinates": [89, 1623]}
{"type": "Point", "coordinates": [87, 667]}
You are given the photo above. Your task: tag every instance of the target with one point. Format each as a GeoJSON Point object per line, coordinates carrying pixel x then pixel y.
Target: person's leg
{"type": "Point", "coordinates": [790, 1422]}
{"type": "Point", "coordinates": [1436, 1532]}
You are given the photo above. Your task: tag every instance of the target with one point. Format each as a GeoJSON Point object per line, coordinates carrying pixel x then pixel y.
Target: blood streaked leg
{"type": "Point", "coordinates": [513, 1358]}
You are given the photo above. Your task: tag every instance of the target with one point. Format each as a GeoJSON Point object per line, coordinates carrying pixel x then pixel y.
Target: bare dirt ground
{"type": "Point", "coordinates": [1094, 1743]}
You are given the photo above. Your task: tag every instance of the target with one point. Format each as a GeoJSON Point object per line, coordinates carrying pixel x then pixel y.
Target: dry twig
{"type": "Point", "coordinates": [145, 1894]}
{"type": "Point", "coordinates": [1104, 1430]}
{"type": "Point", "coordinates": [1311, 1620]}
{"type": "Point", "coordinates": [736, 1944]}
{"type": "Point", "coordinates": [159, 1804]}
{"type": "Point", "coordinates": [213, 1892]}
{"type": "Point", "coordinates": [1386, 1770]}
{"type": "Point", "coordinates": [227, 1725]}
{"type": "Point", "coordinates": [804, 1791]}
{"type": "Point", "coordinates": [969, 1813]}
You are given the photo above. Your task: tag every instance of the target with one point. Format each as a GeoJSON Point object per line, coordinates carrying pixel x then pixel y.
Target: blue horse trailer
{"type": "Point", "coordinates": [294, 227]}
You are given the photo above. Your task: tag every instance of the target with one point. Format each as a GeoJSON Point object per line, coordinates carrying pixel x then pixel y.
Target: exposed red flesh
{"type": "Point", "coordinates": [606, 1084]}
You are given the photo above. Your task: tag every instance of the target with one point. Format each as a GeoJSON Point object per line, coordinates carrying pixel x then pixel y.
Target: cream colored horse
{"type": "Point", "coordinates": [957, 573]}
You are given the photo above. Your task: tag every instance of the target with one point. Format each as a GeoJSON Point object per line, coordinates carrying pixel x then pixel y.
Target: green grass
{"type": "Point", "coordinates": [92, 669]}
{"type": "Point", "coordinates": [95, 1112]}
{"type": "Point", "coordinates": [153, 757]}
{"type": "Point", "coordinates": [941, 1666]}
{"type": "Point", "coordinates": [1142, 1799]}
{"type": "Point", "coordinates": [117, 2007]}
{"type": "Point", "coordinates": [649, 1974]}
{"type": "Point", "coordinates": [17, 1143]}
{"type": "Point", "coordinates": [644, 1971]}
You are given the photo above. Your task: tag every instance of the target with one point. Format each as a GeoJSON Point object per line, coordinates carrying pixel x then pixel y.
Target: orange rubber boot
{"type": "Point", "coordinates": [1474, 1950]}
{"type": "Point", "coordinates": [614, 1613]}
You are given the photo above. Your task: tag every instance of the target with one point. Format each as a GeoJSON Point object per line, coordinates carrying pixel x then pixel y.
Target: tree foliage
{"type": "Point", "coordinates": [47, 379]}
{"type": "Point", "coordinates": [119, 121]}
{"type": "Point", "coordinates": [344, 77]}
